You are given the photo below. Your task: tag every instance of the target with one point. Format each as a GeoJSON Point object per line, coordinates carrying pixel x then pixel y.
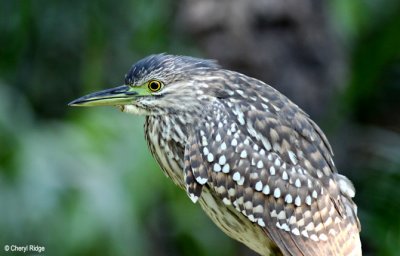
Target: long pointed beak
{"type": "Point", "coordinates": [111, 97]}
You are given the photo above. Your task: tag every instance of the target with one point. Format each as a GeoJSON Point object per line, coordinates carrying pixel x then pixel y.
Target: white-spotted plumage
{"type": "Point", "coordinates": [249, 157]}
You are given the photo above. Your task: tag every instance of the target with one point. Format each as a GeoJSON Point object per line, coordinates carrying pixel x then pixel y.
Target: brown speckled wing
{"type": "Point", "coordinates": [274, 165]}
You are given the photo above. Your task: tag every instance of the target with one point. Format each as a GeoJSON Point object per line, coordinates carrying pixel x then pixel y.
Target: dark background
{"type": "Point", "coordinates": [82, 181]}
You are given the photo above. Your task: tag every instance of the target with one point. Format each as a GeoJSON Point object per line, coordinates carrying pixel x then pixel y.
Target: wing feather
{"type": "Point", "coordinates": [275, 167]}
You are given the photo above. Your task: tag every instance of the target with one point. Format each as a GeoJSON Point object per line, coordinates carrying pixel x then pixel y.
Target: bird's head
{"type": "Point", "coordinates": [161, 84]}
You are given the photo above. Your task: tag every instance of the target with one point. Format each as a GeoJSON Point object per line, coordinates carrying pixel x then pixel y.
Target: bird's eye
{"type": "Point", "coordinates": [154, 85]}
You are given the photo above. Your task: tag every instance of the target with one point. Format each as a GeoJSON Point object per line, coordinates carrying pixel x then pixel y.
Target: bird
{"type": "Point", "coordinates": [257, 164]}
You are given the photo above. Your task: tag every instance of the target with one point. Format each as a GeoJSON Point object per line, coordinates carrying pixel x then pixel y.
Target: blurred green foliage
{"type": "Point", "coordinates": [82, 182]}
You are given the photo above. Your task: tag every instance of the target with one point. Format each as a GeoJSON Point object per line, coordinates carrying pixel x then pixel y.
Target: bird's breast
{"type": "Point", "coordinates": [235, 224]}
{"type": "Point", "coordinates": [166, 138]}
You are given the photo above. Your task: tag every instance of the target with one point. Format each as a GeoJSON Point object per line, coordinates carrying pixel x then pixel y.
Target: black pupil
{"type": "Point", "coordinates": [154, 86]}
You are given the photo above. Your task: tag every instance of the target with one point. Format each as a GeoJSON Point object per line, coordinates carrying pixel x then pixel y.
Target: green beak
{"type": "Point", "coordinates": [120, 95]}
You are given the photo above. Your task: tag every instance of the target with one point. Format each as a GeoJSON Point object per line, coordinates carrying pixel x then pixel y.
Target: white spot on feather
{"type": "Point", "coordinates": [297, 183]}
{"type": "Point", "coordinates": [285, 227]}
{"type": "Point", "coordinates": [275, 107]}
{"type": "Point", "coordinates": [314, 194]}
{"type": "Point", "coordinates": [222, 160]}
{"type": "Point", "coordinates": [292, 219]}
{"type": "Point", "coordinates": [234, 142]}
{"type": "Point", "coordinates": [266, 190]}
{"type": "Point", "coordinates": [210, 157]}
{"type": "Point", "coordinates": [204, 141]}
{"type": "Point", "coordinates": [277, 193]}
{"type": "Point", "coordinates": [266, 143]}
{"type": "Point", "coordinates": [193, 198]}
{"type": "Point", "coordinates": [240, 92]}
{"type": "Point", "coordinates": [292, 157]}
{"type": "Point", "coordinates": [288, 199]}
{"type": "Point", "coordinates": [225, 169]}
{"type": "Point", "coordinates": [251, 218]}
{"type": "Point", "coordinates": [241, 120]}
{"type": "Point", "coordinates": [272, 170]}
{"type": "Point", "coordinates": [223, 146]}
{"type": "Point", "coordinates": [310, 226]}
{"type": "Point", "coordinates": [226, 201]}
{"type": "Point", "coordinates": [281, 215]}
{"type": "Point", "coordinates": [285, 175]}
{"type": "Point", "coordinates": [308, 200]}
{"type": "Point", "coordinates": [217, 167]}
{"type": "Point", "coordinates": [297, 201]}
{"type": "Point", "coordinates": [201, 180]}
{"type": "Point", "coordinates": [259, 186]}
{"type": "Point", "coordinates": [323, 237]}
{"type": "Point", "coordinates": [296, 231]}
{"type": "Point", "coordinates": [236, 176]}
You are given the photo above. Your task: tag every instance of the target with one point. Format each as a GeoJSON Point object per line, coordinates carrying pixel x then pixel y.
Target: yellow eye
{"type": "Point", "coordinates": [154, 85]}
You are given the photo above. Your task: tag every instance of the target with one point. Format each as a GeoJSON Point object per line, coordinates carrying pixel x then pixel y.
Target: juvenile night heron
{"type": "Point", "coordinates": [261, 169]}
